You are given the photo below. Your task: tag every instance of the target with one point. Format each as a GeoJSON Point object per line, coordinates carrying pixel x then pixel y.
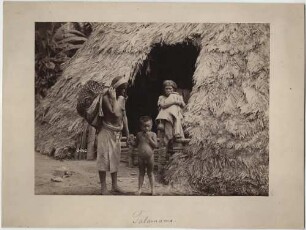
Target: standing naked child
{"type": "Point", "coordinates": [146, 141]}
{"type": "Point", "coordinates": [170, 112]}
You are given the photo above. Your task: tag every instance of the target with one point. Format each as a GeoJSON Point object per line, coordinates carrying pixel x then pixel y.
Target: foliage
{"type": "Point", "coordinates": [55, 44]}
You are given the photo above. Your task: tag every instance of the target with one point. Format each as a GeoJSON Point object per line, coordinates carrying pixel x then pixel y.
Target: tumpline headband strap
{"type": "Point", "coordinates": [120, 82]}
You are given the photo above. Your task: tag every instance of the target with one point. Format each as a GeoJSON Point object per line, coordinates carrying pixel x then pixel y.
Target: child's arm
{"type": "Point", "coordinates": [182, 103]}
{"type": "Point", "coordinates": [163, 104]}
{"type": "Point", "coordinates": [133, 141]}
{"type": "Point", "coordinates": [152, 140]}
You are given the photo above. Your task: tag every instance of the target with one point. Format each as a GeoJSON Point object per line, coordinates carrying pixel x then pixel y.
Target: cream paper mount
{"type": "Point", "coordinates": [283, 207]}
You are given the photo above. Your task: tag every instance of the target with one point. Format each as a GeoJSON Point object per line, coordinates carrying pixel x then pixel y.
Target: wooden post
{"type": "Point", "coordinates": [135, 157]}
{"type": "Point", "coordinates": [162, 157]}
{"type": "Point", "coordinates": [91, 143]}
{"type": "Point", "coordinates": [78, 146]}
{"type": "Point", "coordinates": [130, 156]}
{"type": "Point", "coordinates": [124, 150]}
{"type": "Point", "coordinates": [83, 143]}
{"type": "Point", "coordinates": [177, 146]}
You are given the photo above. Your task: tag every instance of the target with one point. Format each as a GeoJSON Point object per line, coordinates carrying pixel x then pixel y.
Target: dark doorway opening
{"type": "Point", "coordinates": [175, 62]}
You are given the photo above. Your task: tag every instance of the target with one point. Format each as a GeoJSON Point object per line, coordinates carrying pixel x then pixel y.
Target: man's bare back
{"type": "Point", "coordinates": [114, 120]}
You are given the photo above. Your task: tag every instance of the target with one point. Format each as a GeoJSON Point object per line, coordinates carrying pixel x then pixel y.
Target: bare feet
{"type": "Point", "coordinates": [105, 192]}
{"type": "Point", "coordinates": [138, 192]}
{"type": "Point", "coordinates": [153, 193]}
{"type": "Point", "coordinates": [117, 190]}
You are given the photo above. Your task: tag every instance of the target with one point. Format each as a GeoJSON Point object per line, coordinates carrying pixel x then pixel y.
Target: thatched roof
{"type": "Point", "coordinates": [113, 49]}
{"type": "Point", "coordinates": [228, 108]}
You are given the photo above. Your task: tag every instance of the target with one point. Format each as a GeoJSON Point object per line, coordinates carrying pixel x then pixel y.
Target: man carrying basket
{"type": "Point", "coordinates": [109, 134]}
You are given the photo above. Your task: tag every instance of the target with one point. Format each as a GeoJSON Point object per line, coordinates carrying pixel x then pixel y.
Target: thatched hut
{"type": "Point", "coordinates": [225, 67]}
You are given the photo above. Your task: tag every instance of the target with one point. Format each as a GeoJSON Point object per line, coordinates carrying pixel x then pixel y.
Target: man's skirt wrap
{"type": "Point", "coordinates": [109, 148]}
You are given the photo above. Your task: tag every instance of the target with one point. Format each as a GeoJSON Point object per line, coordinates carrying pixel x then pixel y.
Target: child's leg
{"type": "Point", "coordinates": [150, 167]}
{"type": "Point", "coordinates": [168, 133]}
{"type": "Point", "coordinates": [141, 164]}
{"type": "Point", "coordinates": [160, 124]}
{"type": "Point", "coordinates": [178, 129]}
{"type": "Point", "coordinates": [160, 130]}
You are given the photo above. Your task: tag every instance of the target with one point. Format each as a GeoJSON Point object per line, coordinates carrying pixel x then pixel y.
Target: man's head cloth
{"type": "Point", "coordinates": [118, 81]}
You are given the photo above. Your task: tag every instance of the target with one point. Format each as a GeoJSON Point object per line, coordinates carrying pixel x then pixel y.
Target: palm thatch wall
{"type": "Point", "coordinates": [227, 114]}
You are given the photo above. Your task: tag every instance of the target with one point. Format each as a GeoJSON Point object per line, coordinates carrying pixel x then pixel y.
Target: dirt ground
{"type": "Point", "coordinates": [82, 178]}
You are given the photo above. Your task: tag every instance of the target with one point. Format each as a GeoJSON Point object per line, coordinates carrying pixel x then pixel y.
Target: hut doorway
{"type": "Point", "coordinates": [165, 62]}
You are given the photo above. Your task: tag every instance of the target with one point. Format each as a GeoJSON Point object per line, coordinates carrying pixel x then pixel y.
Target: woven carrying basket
{"type": "Point", "coordinates": [89, 102]}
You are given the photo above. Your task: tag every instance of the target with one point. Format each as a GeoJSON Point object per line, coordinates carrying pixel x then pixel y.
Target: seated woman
{"type": "Point", "coordinates": [170, 112]}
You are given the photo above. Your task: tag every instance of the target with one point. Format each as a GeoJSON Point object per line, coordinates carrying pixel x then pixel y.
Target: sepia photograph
{"type": "Point", "coordinates": [163, 109]}
{"type": "Point", "coordinates": [153, 115]}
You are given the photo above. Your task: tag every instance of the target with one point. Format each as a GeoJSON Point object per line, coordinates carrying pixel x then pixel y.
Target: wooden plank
{"type": "Point", "coordinates": [183, 140]}
{"type": "Point", "coordinates": [123, 144]}
{"type": "Point", "coordinates": [90, 143]}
